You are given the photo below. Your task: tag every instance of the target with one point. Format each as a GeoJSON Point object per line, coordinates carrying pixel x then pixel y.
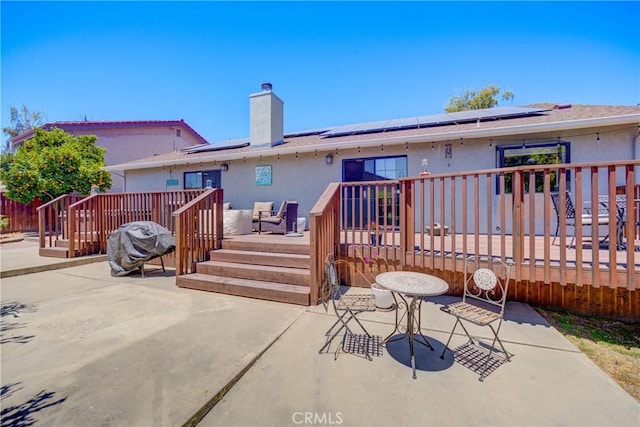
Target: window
{"type": "Point", "coordinates": [372, 205]}
{"type": "Point", "coordinates": [549, 153]}
{"type": "Point", "coordinates": [178, 133]}
{"type": "Point", "coordinates": [194, 180]}
{"type": "Point", "coordinates": [374, 169]}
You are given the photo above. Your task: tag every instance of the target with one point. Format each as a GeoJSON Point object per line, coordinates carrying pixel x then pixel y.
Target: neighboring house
{"type": "Point", "coordinates": [128, 140]}
{"type": "Point", "coordinates": [272, 165]}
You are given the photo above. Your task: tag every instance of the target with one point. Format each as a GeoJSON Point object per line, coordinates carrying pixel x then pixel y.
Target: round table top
{"type": "Point", "coordinates": [412, 283]}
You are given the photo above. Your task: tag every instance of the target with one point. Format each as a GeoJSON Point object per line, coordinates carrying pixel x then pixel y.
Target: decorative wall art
{"type": "Point", "coordinates": [263, 175]}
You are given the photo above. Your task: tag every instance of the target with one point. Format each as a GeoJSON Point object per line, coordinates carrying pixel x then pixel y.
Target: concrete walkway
{"type": "Point", "coordinates": [82, 348]}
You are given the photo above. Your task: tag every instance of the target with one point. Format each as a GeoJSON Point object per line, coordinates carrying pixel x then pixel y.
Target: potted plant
{"type": "Point", "coordinates": [383, 297]}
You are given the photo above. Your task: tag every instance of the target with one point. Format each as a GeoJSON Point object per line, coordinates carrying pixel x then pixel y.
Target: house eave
{"type": "Point", "coordinates": [389, 141]}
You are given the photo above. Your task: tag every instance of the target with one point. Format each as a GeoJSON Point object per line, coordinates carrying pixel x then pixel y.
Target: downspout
{"type": "Point", "coordinates": [124, 180]}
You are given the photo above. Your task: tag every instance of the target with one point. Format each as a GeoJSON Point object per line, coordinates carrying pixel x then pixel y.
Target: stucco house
{"type": "Point", "coordinates": [128, 140]}
{"type": "Point", "coordinates": [275, 165]}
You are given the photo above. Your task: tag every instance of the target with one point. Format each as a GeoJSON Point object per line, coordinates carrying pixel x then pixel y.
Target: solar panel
{"type": "Point", "coordinates": [223, 145]}
{"type": "Point", "coordinates": [372, 126]}
{"type": "Point", "coordinates": [342, 130]}
{"type": "Point", "coordinates": [433, 120]}
{"type": "Point", "coordinates": [401, 123]}
{"type": "Point", "coordinates": [306, 132]}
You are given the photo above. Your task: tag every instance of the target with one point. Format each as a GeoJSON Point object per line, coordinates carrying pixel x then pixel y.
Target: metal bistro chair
{"type": "Point", "coordinates": [346, 308]}
{"type": "Point", "coordinates": [483, 301]}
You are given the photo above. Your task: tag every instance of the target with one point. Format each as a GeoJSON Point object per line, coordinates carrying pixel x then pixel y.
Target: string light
{"type": "Point", "coordinates": [382, 148]}
{"type": "Point", "coordinates": [433, 145]}
{"type": "Point", "coordinates": [358, 149]}
{"type": "Point", "coordinates": [296, 154]}
{"type": "Point", "coordinates": [461, 143]}
{"type": "Point", "coordinates": [545, 140]}
{"type": "Point", "coordinates": [406, 146]}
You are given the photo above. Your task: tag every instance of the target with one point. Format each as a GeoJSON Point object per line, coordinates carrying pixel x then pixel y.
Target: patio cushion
{"type": "Point", "coordinates": [272, 219]}
{"type": "Point", "coordinates": [264, 207]}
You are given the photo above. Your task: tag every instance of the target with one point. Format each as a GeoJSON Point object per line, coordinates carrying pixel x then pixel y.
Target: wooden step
{"type": "Point", "coordinates": [273, 246]}
{"type": "Point", "coordinates": [273, 259]}
{"type": "Point", "coordinates": [293, 276]}
{"type": "Point", "coordinates": [54, 252]}
{"type": "Point", "coordinates": [64, 243]}
{"type": "Point", "coordinates": [271, 291]}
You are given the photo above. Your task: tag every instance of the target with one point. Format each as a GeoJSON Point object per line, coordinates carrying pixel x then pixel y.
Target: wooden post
{"type": "Point", "coordinates": [407, 236]}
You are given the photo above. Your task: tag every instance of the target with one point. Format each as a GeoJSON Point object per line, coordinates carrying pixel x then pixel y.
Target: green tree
{"type": "Point", "coordinates": [53, 163]}
{"type": "Point", "coordinates": [22, 119]}
{"type": "Point", "coordinates": [477, 99]}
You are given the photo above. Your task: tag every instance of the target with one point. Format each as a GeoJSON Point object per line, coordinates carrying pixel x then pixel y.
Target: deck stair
{"type": "Point", "coordinates": [61, 249]}
{"type": "Point", "coordinates": [263, 268]}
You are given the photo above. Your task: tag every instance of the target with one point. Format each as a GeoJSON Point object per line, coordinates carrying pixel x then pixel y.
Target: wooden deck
{"type": "Point", "coordinates": [450, 244]}
{"type": "Point", "coordinates": [458, 243]}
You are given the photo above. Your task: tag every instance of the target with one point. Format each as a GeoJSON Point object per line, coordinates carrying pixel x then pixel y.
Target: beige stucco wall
{"type": "Point", "coordinates": [127, 144]}
{"type": "Point", "coordinates": [304, 178]}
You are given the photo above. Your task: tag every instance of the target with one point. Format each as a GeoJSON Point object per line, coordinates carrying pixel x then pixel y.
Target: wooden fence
{"type": "Point", "coordinates": [21, 217]}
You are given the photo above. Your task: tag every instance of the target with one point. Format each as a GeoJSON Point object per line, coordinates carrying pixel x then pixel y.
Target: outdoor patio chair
{"type": "Point", "coordinates": [346, 308]}
{"type": "Point", "coordinates": [260, 207]}
{"type": "Point", "coordinates": [570, 215]}
{"type": "Point", "coordinates": [284, 221]}
{"type": "Point", "coordinates": [483, 301]}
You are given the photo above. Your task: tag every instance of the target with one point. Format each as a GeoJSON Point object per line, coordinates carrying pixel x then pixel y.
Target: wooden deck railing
{"type": "Point", "coordinates": [94, 218]}
{"type": "Point", "coordinates": [52, 219]}
{"type": "Point", "coordinates": [198, 230]}
{"type": "Point", "coordinates": [433, 222]}
{"type": "Point", "coordinates": [85, 222]}
{"type": "Point", "coordinates": [21, 217]}
{"type": "Point", "coordinates": [324, 229]}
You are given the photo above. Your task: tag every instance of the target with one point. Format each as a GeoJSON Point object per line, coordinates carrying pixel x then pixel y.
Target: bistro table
{"type": "Point", "coordinates": [414, 286]}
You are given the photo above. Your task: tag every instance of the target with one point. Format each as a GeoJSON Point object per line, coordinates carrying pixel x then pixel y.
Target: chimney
{"type": "Point", "coordinates": [266, 116]}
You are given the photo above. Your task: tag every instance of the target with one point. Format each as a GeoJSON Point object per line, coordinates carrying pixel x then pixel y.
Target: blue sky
{"type": "Point", "coordinates": [332, 63]}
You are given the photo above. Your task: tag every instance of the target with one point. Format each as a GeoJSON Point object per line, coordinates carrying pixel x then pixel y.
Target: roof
{"type": "Point", "coordinates": [551, 118]}
{"type": "Point", "coordinates": [125, 124]}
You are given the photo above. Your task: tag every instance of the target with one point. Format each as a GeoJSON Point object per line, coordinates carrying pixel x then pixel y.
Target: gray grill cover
{"type": "Point", "coordinates": [132, 244]}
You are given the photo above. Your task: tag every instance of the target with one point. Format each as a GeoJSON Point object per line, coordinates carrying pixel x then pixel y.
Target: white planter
{"type": "Point", "coordinates": [383, 297]}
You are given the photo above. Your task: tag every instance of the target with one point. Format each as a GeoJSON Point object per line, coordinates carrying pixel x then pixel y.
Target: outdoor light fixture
{"type": "Point", "coordinates": [224, 167]}
{"type": "Point", "coordinates": [328, 159]}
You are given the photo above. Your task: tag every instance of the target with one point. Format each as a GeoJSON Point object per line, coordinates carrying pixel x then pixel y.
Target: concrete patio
{"type": "Point", "coordinates": [81, 348]}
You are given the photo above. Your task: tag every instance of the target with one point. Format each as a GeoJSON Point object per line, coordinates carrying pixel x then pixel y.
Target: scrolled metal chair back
{"type": "Point", "coordinates": [487, 280]}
